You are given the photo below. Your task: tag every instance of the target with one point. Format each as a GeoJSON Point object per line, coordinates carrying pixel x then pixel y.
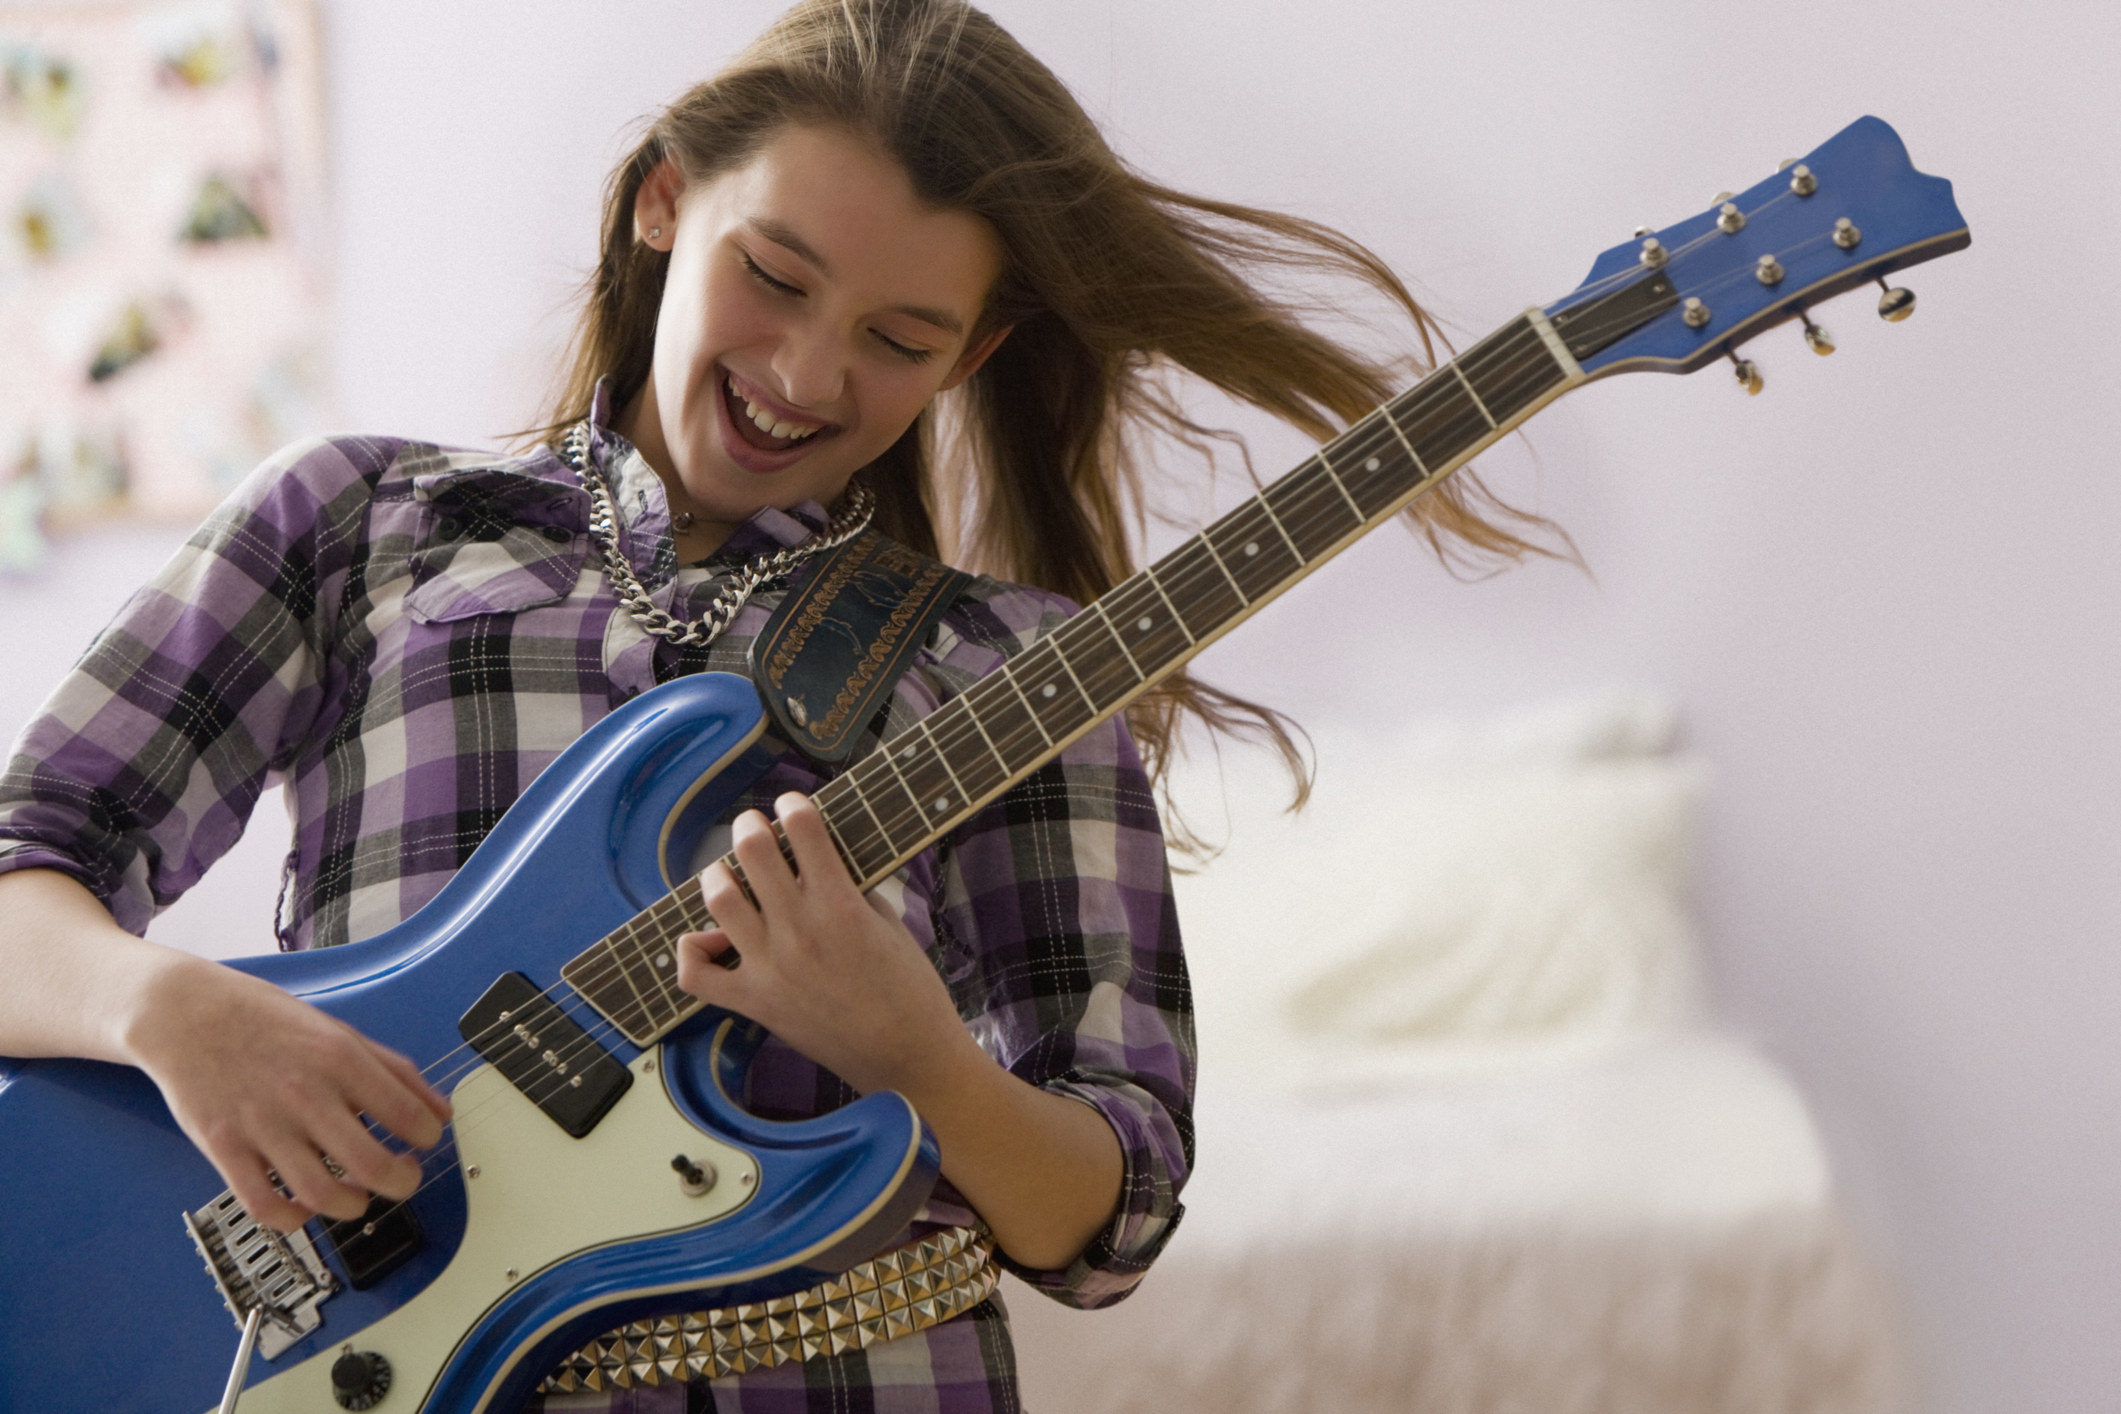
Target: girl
{"type": "Point", "coordinates": [883, 222]}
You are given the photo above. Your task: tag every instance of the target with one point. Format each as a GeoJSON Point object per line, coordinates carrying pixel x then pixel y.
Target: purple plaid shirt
{"type": "Point", "coordinates": [406, 635]}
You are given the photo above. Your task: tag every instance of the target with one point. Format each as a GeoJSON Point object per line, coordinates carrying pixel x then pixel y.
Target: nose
{"type": "Point", "coordinates": [811, 365]}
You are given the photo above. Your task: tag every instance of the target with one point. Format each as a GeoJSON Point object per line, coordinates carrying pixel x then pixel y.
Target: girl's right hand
{"type": "Point", "coordinates": [260, 1080]}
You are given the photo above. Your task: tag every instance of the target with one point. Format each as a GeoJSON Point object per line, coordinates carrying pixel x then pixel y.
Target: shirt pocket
{"type": "Point", "coordinates": [494, 542]}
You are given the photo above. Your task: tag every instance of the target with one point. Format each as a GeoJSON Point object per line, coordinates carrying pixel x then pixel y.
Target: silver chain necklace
{"type": "Point", "coordinates": [852, 520]}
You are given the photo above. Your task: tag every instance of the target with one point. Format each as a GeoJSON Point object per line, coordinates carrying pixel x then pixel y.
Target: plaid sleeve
{"type": "Point", "coordinates": [143, 765]}
{"type": "Point", "coordinates": [1056, 903]}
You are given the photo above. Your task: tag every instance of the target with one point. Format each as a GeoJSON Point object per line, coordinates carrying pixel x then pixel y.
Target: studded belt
{"type": "Point", "coordinates": [908, 1289]}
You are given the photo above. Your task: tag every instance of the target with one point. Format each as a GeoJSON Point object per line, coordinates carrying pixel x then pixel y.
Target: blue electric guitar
{"type": "Point", "coordinates": [537, 989]}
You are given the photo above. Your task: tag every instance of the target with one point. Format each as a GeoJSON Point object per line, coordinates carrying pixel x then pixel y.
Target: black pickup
{"type": "Point", "coordinates": [544, 1053]}
{"type": "Point", "coordinates": [376, 1243]}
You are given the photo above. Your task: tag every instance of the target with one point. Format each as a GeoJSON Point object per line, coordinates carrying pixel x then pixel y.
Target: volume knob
{"type": "Point", "coordinates": [359, 1378]}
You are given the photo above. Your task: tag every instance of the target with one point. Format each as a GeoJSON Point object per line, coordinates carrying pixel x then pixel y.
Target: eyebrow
{"type": "Point", "coordinates": [783, 235]}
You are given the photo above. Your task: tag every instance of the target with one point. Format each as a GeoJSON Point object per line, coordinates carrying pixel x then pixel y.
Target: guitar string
{"type": "Point", "coordinates": [1177, 577]}
{"type": "Point", "coordinates": [1533, 354]}
{"type": "Point", "coordinates": [900, 806]}
{"type": "Point", "coordinates": [967, 730]}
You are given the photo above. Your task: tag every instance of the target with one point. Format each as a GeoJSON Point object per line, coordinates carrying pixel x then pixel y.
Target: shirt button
{"type": "Point", "coordinates": [557, 534]}
{"type": "Point", "coordinates": [449, 528]}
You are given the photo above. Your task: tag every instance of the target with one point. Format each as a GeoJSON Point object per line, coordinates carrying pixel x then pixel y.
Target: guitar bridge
{"type": "Point", "coordinates": [259, 1269]}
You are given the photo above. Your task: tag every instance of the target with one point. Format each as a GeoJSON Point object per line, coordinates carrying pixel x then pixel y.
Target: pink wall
{"type": "Point", "coordinates": [1884, 592]}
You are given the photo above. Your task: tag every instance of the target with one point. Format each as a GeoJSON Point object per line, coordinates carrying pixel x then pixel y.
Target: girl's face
{"type": "Point", "coordinates": [813, 306]}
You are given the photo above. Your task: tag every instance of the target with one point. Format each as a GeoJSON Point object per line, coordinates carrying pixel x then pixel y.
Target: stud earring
{"type": "Point", "coordinates": [655, 233]}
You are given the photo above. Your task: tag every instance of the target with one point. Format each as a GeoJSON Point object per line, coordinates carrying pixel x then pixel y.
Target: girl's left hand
{"type": "Point", "coordinates": [833, 974]}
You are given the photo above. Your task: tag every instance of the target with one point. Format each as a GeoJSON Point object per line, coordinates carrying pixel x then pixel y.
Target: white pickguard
{"type": "Point", "coordinates": [540, 1196]}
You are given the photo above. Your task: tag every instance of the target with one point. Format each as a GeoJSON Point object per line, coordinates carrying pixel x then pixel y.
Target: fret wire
{"type": "Point", "coordinates": [1521, 367]}
{"type": "Point", "coordinates": [692, 903]}
{"type": "Point", "coordinates": [1261, 501]}
{"type": "Point", "coordinates": [1021, 741]}
{"type": "Point", "coordinates": [899, 812]}
{"type": "Point", "coordinates": [1393, 423]}
{"type": "Point", "coordinates": [661, 944]}
{"type": "Point", "coordinates": [1373, 451]}
{"type": "Point", "coordinates": [1176, 617]}
{"type": "Point", "coordinates": [1341, 486]}
{"type": "Point", "coordinates": [1216, 555]}
{"type": "Point", "coordinates": [979, 726]}
{"type": "Point", "coordinates": [1473, 395]}
{"type": "Point", "coordinates": [626, 947]}
{"type": "Point", "coordinates": [619, 962]}
{"type": "Point", "coordinates": [1309, 508]}
{"type": "Point", "coordinates": [957, 740]}
{"type": "Point", "coordinates": [1437, 410]}
{"type": "Point", "coordinates": [964, 797]}
{"type": "Point", "coordinates": [854, 784]}
{"type": "Point", "coordinates": [919, 812]}
{"type": "Point", "coordinates": [1010, 674]}
{"type": "Point", "coordinates": [842, 796]}
{"type": "Point", "coordinates": [1069, 668]}
{"type": "Point", "coordinates": [960, 719]}
{"type": "Point", "coordinates": [1098, 608]}
{"type": "Point", "coordinates": [839, 845]}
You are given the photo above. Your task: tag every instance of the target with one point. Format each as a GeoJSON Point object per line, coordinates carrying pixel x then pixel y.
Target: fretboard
{"type": "Point", "coordinates": [920, 784]}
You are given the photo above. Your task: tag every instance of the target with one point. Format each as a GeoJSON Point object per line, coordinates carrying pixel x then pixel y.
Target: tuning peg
{"type": "Point", "coordinates": [1748, 372]}
{"type": "Point", "coordinates": [1822, 342]}
{"type": "Point", "coordinates": [1895, 304]}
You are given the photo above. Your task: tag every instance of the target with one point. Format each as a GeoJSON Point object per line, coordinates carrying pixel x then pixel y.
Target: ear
{"type": "Point", "coordinates": [969, 361]}
{"type": "Point", "coordinates": [655, 206]}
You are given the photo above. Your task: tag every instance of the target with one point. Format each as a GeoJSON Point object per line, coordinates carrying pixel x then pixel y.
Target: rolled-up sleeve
{"type": "Point", "coordinates": [1057, 932]}
{"type": "Point", "coordinates": [142, 767]}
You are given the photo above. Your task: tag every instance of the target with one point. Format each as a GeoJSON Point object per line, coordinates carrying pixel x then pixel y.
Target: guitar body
{"type": "Point", "coordinates": [532, 1241]}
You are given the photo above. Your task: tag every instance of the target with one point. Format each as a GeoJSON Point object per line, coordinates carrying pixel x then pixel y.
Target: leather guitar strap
{"type": "Point", "coordinates": [831, 653]}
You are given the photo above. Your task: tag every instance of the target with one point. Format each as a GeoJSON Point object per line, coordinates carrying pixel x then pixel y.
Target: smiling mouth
{"type": "Point", "coordinates": [759, 427]}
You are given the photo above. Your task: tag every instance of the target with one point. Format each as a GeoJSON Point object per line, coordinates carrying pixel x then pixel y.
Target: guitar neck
{"type": "Point", "coordinates": [902, 797]}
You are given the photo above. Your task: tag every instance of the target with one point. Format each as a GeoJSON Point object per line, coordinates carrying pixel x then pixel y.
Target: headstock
{"type": "Point", "coordinates": [1673, 300]}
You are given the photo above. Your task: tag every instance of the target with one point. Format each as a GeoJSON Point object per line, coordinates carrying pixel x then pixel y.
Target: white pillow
{"type": "Point", "coordinates": [1457, 895]}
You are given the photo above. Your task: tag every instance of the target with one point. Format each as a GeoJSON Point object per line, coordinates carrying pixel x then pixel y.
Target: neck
{"type": "Point", "coordinates": [641, 423]}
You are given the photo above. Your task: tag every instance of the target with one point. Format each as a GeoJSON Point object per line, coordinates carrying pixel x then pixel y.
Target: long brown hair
{"type": "Point", "coordinates": [1109, 280]}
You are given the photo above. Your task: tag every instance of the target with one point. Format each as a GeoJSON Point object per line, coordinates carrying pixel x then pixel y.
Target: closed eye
{"type": "Point", "coordinates": [777, 286]}
{"type": "Point", "coordinates": [904, 351]}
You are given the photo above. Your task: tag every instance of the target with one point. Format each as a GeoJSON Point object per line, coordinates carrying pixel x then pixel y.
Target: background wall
{"type": "Point", "coordinates": [1884, 592]}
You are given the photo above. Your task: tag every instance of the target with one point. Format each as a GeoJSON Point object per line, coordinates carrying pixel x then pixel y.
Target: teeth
{"type": "Point", "coordinates": [765, 420]}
